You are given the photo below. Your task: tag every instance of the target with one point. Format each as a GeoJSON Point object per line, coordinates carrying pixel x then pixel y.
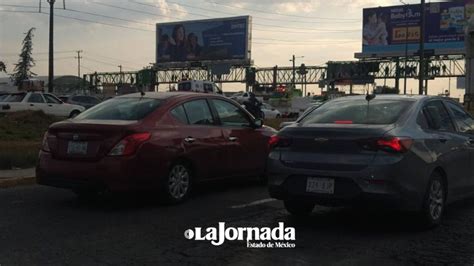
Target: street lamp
{"type": "Point", "coordinates": [293, 81]}
{"type": "Point", "coordinates": [406, 46]}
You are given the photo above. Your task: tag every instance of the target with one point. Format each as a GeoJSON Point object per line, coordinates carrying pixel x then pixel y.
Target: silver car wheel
{"type": "Point", "coordinates": [436, 199]}
{"type": "Point", "coordinates": [178, 181]}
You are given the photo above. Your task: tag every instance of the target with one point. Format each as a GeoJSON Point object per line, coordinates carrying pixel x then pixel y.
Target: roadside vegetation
{"type": "Point", "coordinates": [21, 134]}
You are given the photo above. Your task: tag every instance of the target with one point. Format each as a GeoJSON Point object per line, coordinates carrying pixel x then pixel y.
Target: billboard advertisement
{"type": "Point", "coordinates": [386, 30]}
{"type": "Point", "coordinates": [226, 39]}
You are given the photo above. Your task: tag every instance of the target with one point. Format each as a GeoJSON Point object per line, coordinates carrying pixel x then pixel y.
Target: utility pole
{"type": "Point", "coordinates": [293, 80]}
{"type": "Point", "coordinates": [79, 57]}
{"type": "Point", "coordinates": [120, 67]}
{"type": "Point", "coordinates": [406, 47]}
{"type": "Point", "coordinates": [51, 46]}
{"type": "Point", "coordinates": [421, 76]}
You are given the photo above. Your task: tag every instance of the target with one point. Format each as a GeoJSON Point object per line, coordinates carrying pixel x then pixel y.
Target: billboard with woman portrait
{"type": "Point", "coordinates": [225, 39]}
{"type": "Point", "coordinates": [388, 31]}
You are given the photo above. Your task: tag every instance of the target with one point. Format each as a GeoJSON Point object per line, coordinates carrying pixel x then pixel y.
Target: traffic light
{"type": "Point", "coordinates": [302, 70]}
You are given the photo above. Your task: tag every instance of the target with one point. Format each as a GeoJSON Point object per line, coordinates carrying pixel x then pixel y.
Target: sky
{"type": "Point", "coordinates": [124, 31]}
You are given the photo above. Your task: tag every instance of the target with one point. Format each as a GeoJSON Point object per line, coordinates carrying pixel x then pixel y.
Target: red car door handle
{"type": "Point", "coordinates": [233, 139]}
{"type": "Point", "coordinates": [189, 139]}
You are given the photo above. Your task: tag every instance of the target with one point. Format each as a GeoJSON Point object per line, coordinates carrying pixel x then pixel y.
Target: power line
{"type": "Point", "coordinates": [135, 10]}
{"type": "Point", "coordinates": [102, 23]}
{"type": "Point", "coordinates": [56, 58]}
{"type": "Point", "coordinates": [17, 11]}
{"type": "Point", "coordinates": [308, 41]}
{"type": "Point", "coordinates": [280, 14]}
{"type": "Point", "coordinates": [206, 16]}
{"type": "Point", "coordinates": [222, 12]}
{"type": "Point", "coordinates": [87, 68]}
{"type": "Point", "coordinates": [22, 6]}
{"type": "Point", "coordinates": [302, 44]}
{"type": "Point", "coordinates": [290, 41]}
{"type": "Point", "coordinates": [234, 14]}
{"type": "Point", "coordinates": [110, 58]}
{"type": "Point", "coordinates": [106, 16]}
{"type": "Point", "coordinates": [36, 53]}
{"type": "Point", "coordinates": [304, 32]}
{"type": "Point", "coordinates": [80, 19]}
{"type": "Point", "coordinates": [102, 62]}
{"type": "Point", "coordinates": [291, 29]}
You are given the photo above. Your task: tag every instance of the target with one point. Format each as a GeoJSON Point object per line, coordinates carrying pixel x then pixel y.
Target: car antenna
{"type": "Point", "coordinates": [368, 98]}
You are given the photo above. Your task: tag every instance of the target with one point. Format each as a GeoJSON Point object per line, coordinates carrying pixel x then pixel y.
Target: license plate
{"type": "Point", "coordinates": [320, 185]}
{"type": "Point", "coordinates": [77, 147]}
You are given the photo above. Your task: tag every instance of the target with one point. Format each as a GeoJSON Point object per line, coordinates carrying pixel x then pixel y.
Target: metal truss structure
{"type": "Point", "coordinates": [438, 67]}
{"type": "Point", "coordinates": [284, 75]}
{"type": "Point", "coordinates": [393, 68]}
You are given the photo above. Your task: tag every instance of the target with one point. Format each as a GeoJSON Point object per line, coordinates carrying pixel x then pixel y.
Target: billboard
{"type": "Point", "coordinates": [386, 30]}
{"type": "Point", "coordinates": [182, 43]}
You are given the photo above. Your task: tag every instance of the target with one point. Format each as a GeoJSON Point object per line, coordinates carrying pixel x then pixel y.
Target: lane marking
{"type": "Point", "coordinates": [253, 203]}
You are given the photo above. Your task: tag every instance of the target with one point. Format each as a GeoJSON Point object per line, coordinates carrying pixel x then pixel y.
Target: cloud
{"type": "Point", "coordinates": [295, 7]}
{"type": "Point", "coordinates": [168, 9]}
{"type": "Point", "coordinates": [358, 4]}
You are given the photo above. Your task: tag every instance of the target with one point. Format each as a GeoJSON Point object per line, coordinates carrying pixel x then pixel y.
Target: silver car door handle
{"type": "Point", "coordinates": [189, 139]}
{"type": "Point", "coordinates": [233, 138]}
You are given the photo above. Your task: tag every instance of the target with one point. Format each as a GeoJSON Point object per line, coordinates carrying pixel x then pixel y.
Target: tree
{"type": "Point", "coordinates": [3, 67]}
{"type": "Point", "coordinates": [26, 62]}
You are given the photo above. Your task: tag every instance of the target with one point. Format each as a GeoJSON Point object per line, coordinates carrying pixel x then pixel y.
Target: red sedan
{"type": "Point", "coordinates": [158, 141]}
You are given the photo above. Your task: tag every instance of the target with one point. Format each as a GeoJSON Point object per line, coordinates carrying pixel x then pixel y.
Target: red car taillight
{"type": "Point", "coordinates": [395, 144]}
{"type": "Point", "coordinates": [130, 144]}
{"type": "Point", "coordinates": [277, 141]}
{"type": "Point", "coordinates": [45, 145]}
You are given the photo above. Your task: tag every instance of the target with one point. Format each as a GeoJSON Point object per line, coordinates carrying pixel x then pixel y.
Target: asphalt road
{"type": "Point", "coordinates": [46, 226]}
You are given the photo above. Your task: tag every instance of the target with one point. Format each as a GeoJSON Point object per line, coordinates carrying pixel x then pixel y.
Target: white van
{"type": "Point", "coordinates": [199, 86]}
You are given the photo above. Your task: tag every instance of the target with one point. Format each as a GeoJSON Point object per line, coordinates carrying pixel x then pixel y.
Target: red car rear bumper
{"type": "Point", "coordinates": [113, 173]}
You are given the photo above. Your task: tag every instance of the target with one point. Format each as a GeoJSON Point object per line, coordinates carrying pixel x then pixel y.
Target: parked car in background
{"type": "Point", "coordinates": [38, 101]}
{"type": "Point", "coordinates": [63, 98]}
{"type": "Point", "coordinates": [202, 86]}
{"type": "Point", "coordinates": [308, 110]}
{"type": "Point", "coordinates": [3, 95]}
{"type": "Point", "coordinates": [86, 101]}
{"type": "Point", "coordinates": [269, 112]}
{"type": "Point", "coordinates": [165, 142]}
{"type": "Point", "coordinates": [414, 153]}
{"type": "Point", "coordinates": [242, 97]}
